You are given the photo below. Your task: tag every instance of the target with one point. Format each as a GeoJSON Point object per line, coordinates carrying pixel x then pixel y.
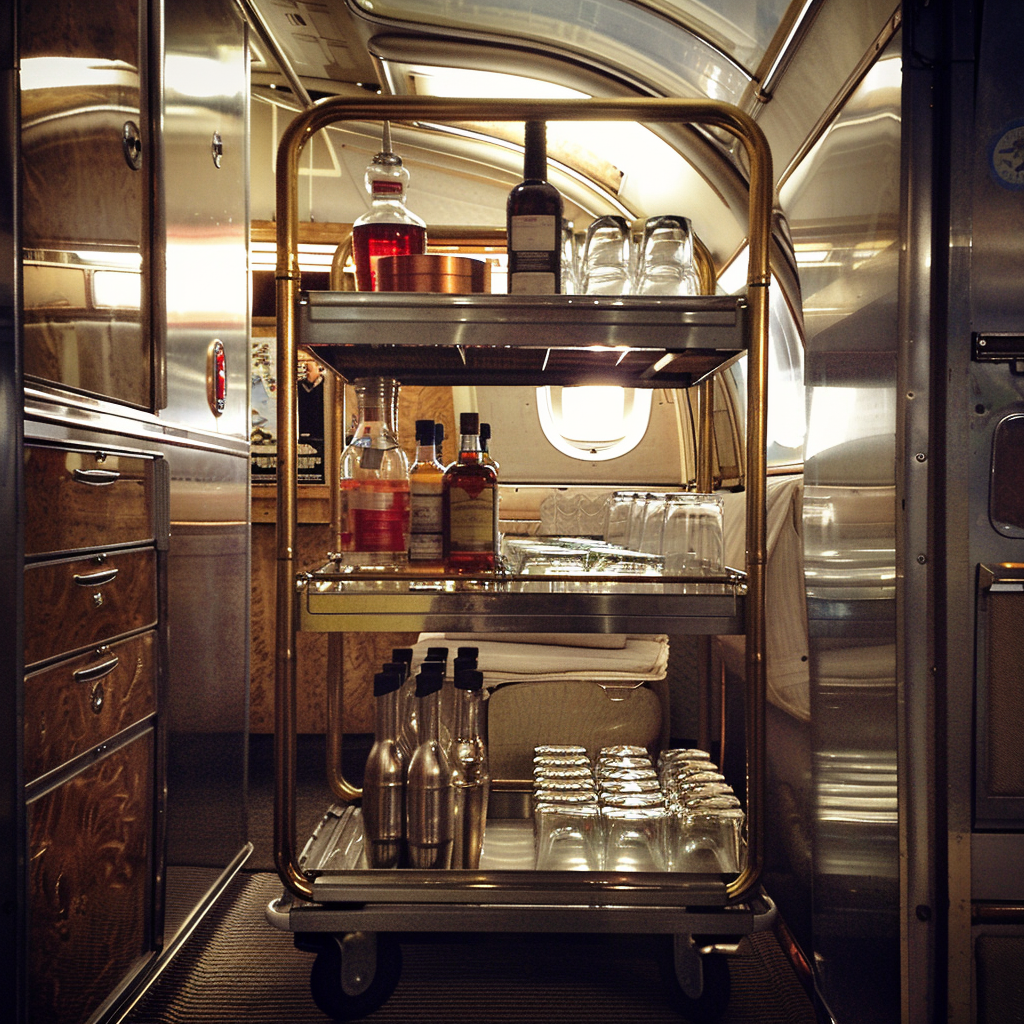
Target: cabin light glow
{"type": "Point", "coordinates": [440, 81]}
{"type": "Point", "coordinates": [76, 72]}
{"type": "Point", "coordinates": [200, 77]}
{"type": "Point", "coordinates": [116, 289]}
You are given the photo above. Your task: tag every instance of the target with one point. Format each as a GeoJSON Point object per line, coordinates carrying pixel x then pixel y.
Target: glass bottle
{"type": "Point", "coordinates": [470, 491]}
{"type": "Point", "coordinates": [439, 444]}
{"type": "Point", "coordinates": [533, 216]}
{"type": "Point", "coordinates": [485, 443]}
{"type": "Point", "coordinates": [388, 228]}
{"type": "Point", "coordinates": [429, 810]}
{"type": "Point", "coordinates": [384, 780]}
{"type": "Point", "coordinates": [426, 531]}
{"type": "Point", "coordinates": [375, 482]}
{"type": "Point", "coordinates": [471, 776]}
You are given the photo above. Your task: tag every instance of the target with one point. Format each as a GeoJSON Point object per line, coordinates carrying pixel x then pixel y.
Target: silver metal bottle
{"type": "Point", "coordinates": [429, 806]}
{"type": "Point", "coordinates": [384, 780]}
{"type": "Point", "coordinates": [470, 769]}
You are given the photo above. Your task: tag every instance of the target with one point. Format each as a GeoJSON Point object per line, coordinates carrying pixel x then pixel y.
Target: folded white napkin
{"type": "Point", "coordinates": [640, 659]}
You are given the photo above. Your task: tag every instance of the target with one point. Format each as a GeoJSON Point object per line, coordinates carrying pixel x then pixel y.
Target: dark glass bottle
{"type": "Point", "coordinates": [470, 491]}
{"type": "Point", "coordinates": [533, 215]}
{"type": "Point", "coordinates": [384, 780]}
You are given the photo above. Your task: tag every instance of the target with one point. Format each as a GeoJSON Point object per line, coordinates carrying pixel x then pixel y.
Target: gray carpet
{"type": "Point", "coordinates": [238, 968]}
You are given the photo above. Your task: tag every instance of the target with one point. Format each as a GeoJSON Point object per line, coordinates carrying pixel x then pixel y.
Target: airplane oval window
{"type": "Point", "coordinates": [594, 423]}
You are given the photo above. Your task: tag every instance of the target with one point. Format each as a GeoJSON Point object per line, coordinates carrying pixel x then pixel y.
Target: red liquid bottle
{"type": "Point", "coordinates": [470, 500]}
{"type": "Point", "coordinates": [388, 228]}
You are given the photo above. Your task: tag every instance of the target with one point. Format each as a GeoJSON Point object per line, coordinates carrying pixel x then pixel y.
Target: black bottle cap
{"type": "Point", "coordinates": [401, 667]}
{"type": "Point", "coordinates": [437, 654]}
{"type": "Point", "coordinates": [535, 151]}
{"type": "Point", "coordinates": [428, 683]}
{"type": "Point", "coordinates": [386, 682]}
{"type": "Point", "coordinates": [469, 679]}
{"type": "Point", "coordinates": [469, 422]}
{"type": "Point", "coordinates": [463, 664]}
{"type": "Point", "coordinates": [438, 434]}
{"type": "Point", "coordinates": [402, 654]}
{"type": "Point", "coordinates": [485, 431]}
{"type": "Point", "coordinates": [424, 431]}
{"type": "Point", "coordinates": [468, 652]}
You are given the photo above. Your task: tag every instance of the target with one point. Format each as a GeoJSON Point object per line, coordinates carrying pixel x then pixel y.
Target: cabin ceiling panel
{"type": "Point", "coordinates": [842, 34]}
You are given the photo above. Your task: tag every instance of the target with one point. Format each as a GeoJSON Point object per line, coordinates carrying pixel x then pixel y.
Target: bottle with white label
{"type": "Point", "coordinates": [470, 496]}
{"type": "Point", "coordinates": [426, 544]}
{"type": "Point", "coordinates": [375, 482]}
{"type": "Point", "coordinates": [534, 223]}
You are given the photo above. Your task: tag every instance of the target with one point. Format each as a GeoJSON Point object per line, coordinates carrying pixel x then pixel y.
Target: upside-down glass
{"type": "Point", "coordinates": [692, 539]}
{"type": "Point", "coordinates": [634, 837]}
{"type": "Point", "coordinates": [607, 257]}
{"type": "Point", "coordinates": [568, 836]}
{"type": "Point", "coordinates": [665, 258]}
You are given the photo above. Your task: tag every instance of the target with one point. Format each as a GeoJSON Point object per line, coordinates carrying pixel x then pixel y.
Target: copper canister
{"type": "Point", "coordinates": [433, 272]}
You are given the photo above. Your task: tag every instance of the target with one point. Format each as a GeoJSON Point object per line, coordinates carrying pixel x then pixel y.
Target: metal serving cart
{"type": "Point", "coordinates": [347, 913]}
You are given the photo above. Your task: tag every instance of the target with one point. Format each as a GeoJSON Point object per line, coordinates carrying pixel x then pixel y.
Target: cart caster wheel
{"type": "Point", "coordinates": [701, 998]}
{"type": "Point", "coordinates": [355, 974]}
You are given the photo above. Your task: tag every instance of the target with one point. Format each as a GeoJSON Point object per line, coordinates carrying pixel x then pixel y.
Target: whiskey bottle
{"type": "Point", "coordinates": [533, 215]}
{"type": "Point", "coordinates": [470, 491]}
{"type": "Point", "coordinates": [426, 529]}
{"type": "Point", "coordinates": [388, 228]}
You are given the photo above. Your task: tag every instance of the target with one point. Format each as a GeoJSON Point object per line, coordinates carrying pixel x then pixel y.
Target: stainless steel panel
{"type": "Point", "coordinates": [840, 885]}
{"type": "Point", "coordinates": [85, 167]}
{"type": "Point", "coordinates": [203, 178]}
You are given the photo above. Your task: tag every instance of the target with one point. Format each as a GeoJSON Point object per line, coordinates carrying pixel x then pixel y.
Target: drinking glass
{"type": "Point", "coordinates": [634, 837]}
{"type": "Point", "coordinates": [616, 521]}
{"type": "Point", "coordinates": [606, 263]}
{"type": "Point", "coordinates": [665, 259]}
{"type": "Point", "coordinates": [692, 540]}
{"type": "Point", "coordinates": [568, 836]}
{"type": "Point", "coordinates": [570, 268]}
{"type": "Point", "coordinates": [707, 839]}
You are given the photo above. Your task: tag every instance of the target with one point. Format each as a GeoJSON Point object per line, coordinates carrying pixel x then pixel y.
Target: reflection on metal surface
{"type": "Point", "coordinates": [843, 211]}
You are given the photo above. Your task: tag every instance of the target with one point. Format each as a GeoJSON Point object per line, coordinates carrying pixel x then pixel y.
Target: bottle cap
{"type": "Point", "coordinates": [401, 667]}
{"type": "Point", "coordinates": [438, 433]}
{"type": "Point", "coordinates": [424, 431]}
{"type": "Point", "coordinates": [386, 682]}
{"type": "Point", "coordinates": [402, 654]}
{"type": "Point", "coordinates": [428, 683]}
{"type": "Point", "coordinates": [467, 652]}
{"type": "Point", "coordinates": [469, 422]}
{"type": "Point", "coordinates": [437, 654]}
{"type": "Point", "coordinates": [485, 431]}
{"type": "Point", "coordinates": [469, 679]}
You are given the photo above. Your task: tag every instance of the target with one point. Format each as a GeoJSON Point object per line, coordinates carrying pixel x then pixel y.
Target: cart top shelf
{"type": "Point", "coordinates": [435, 339]}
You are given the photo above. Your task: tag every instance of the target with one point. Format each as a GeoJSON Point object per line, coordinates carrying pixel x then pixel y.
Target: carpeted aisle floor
{"type": "Point", "coordinates": [237, 968]}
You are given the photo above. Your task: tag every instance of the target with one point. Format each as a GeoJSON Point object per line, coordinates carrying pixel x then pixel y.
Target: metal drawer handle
{"type": "Point", "coordinates": [95, 579]}
{"type": "Point", "coordinates": [94, 672]}
{"type": "Point", "coordinates": [97, 477]}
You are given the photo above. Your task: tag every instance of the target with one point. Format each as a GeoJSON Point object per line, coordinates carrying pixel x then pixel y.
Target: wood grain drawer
{"type": "Point", "coordinates": [86, 499]}
{"type": "Point", "coordinates": [77, 603]}
{"type": "Point", "coordinates": [77, 704]}
{"type": "Point", "coordinates": [90, 882]}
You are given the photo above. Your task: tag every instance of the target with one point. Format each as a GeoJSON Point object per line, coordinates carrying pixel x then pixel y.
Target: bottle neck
{"type": "Point", "coordinates": [535, 155]}
{"type": "Point", "coordinates": [387, 716]}
{"type": "Point", "coordinates": [428, 718]}
{"type": "Point", "coordinates": [469, 448]}
{"type": "Point", "coordinates": [467, 714]}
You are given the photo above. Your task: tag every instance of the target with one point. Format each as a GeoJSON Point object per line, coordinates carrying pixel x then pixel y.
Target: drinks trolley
{"type": "Point", "coordinates": [346, 913]}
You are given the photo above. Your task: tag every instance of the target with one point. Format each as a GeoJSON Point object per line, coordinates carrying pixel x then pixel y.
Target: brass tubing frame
{"type": "Point", "coordinates": [426, 108]}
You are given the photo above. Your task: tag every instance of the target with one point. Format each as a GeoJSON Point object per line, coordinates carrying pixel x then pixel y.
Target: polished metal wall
{"type": "Point", "coordinates": [838, 768]}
